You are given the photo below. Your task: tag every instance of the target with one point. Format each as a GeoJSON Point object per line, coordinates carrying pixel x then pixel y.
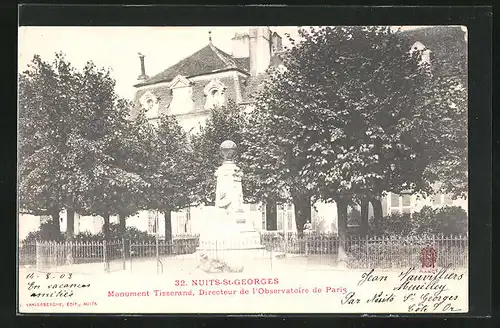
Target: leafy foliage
{"type": "Point", "coordinates": [76, 142]}
{"type": "Point", "coordinates": [48, 231]}
{"type": "Point", "coordinates": [46, 103]}
{"type": "Point", "coordinates": [168, 167]}
{"type": "Point", "coordinates": [352, 115]}
{"type": "Point", "coordinates": [225, 123]}
{"type": "Point", "coordinates": [106, 179]}
{"type": "Point", "coordinates": [448, 220]}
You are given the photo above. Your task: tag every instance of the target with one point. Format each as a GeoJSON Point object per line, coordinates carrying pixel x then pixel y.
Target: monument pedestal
{"type": "Point", "coordinates": [227, 237]}
{"type": "Point", "coordinates": [230, 242]}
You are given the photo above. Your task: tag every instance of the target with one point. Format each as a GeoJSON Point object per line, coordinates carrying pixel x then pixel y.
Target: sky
{"type": "Point", "coordinates": [117, 48]}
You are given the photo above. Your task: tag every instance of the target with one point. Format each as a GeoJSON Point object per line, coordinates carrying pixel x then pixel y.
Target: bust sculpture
{"type": "Point", "coordinates": [228, 150]}
{"type": "Point", "coordinates": [229, 193]}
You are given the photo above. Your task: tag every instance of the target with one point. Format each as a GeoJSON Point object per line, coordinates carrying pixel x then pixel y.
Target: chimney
{"type": "Point", "coordinates": [241, 44]}
{"type": "Point", "coordinates": [143, 75]}
{"type": "Point", "coordinates": [277, 43]}
{"type": "Point", "coordinates": [259, 49]}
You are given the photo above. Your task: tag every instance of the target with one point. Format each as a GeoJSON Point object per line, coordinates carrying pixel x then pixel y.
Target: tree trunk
{"type": "Point", "coordinates": [343, 231]}
{"type": "Point", "coordinates": [122, 225]}
{"type": "Point", "coordinates": [168, 231]}
{"type": "Point", "coordinates": [302, 205]}
{"type": "Point", "coordinates": [123, 230]}
{"type": "Point", "coordinates": [70, 232]}
{"type": "Point", "coordinates": [271, 215]}
{"type": "Point", "coordinates": [105, 226]}
{"type": "Point", "coordinates": [70, 224]}
{"type": "Point", "coordinates": [377, 213]}
{"type": "Point", "coordinates": [168, 226]}
{"type": "Point", "coordinates": [55, 219]}
{"type": "Point", "coordinates": [364, 217]}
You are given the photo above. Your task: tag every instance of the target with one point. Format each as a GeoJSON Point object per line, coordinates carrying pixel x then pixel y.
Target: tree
{"type": "Point", "coordinates": [273, 160]}
{"type": "Point", "coordinates": [47, 100]}
{"type": "Point", "coordinates": [168, 168]}
{"type": "Point", "coordinates": [225, 123]}
{"type": "Point", "coordinates": [105, 179]}
{"type": "Point", "coordinates": [337, 124]}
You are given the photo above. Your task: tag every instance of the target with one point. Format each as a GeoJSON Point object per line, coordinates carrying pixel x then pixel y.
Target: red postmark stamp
{"type": "Point", "coordinates": [428, 258]}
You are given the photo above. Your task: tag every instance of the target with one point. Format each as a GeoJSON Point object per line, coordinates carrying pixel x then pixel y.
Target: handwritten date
{"type": "Point", "coordinates": [50, 275]}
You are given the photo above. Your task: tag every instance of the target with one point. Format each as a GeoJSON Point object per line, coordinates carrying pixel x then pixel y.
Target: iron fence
{"type": "Point", "coordinates": [358, 252]}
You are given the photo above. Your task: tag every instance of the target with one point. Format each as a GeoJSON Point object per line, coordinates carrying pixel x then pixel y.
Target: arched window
{"type": "Point", "coordinates": [150, 103]}
{"type": "Point", "coordinates": [426, 53]}
{"type": "Point", "coordinates": [214, 92]}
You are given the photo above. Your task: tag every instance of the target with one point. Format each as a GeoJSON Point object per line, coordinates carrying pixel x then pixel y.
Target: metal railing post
{"type": "Point", "coordinates": [105, 257]}
{"type": "Point", "coordinates": [124, 253]}
{"type": "Point", "coordinates": [158, 262]}
{"type": "Point", "coordinates": [271, 257]}
{"type": "Point", "coordinates": [37, 255]}
{"type": "Point", "coordinates": [130, 253]}
{"type": "Point", "coordinates": [367, 252]}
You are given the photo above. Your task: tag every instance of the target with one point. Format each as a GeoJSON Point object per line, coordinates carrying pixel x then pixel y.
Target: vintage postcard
{"type": "Point", "coordinates": [247, 169]}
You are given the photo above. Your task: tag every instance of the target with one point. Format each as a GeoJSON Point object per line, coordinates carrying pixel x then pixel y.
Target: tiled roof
{"type": "Point", "coordinates": [209, 59]}
{"type": "Point", "coordinates": [243, 63]}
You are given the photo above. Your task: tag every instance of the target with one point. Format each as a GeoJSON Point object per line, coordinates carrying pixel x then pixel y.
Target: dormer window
{"type": "Point", "coordinates": [150, 103]}
{"type": "Point", "coordinates": [425, 58]}
{"type": "Point", "coordinates": [214, 92]}
{"type": "Point", "coordinates": [182, 96]}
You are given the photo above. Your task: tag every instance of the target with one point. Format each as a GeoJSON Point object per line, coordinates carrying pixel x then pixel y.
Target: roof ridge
{"type": "Point", "coordinates": [223, 56]}
{"type": "Point", "coordinates": [180, 62]}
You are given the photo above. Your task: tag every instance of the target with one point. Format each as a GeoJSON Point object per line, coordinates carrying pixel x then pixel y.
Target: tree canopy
{"type": "Point", "coordinates": [225, 123]}
{"type": "Point", "coordinates": [76, 142]}
{"type": "Point", "coordinates": [46, 101]}
{"type": "Point", "coordinates": [352, 114]}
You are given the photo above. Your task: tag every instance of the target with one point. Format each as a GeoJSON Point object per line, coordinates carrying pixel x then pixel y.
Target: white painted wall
{"type": "Point", "coordinates": [26, 224]}
{"type": "Point", "coordinates": [416, 203]}
{"type": "Point", "coordinates": [324, 217]}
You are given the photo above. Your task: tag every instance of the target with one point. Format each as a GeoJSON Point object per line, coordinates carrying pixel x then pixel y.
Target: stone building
{"type": "Point", "coordinates": [207, 78]}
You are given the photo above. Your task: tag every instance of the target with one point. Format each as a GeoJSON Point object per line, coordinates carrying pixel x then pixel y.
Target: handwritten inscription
{"type": "Point", "coordinates": [434, 292]}
{"type": "Point", "coordinates": [370, 277]}
{"type": "Point", "coordinates": [53, 285]}
{"type": "Point", "coordinates": [350, 299]}
{"type": "Point", "coordinates": [421, 292]}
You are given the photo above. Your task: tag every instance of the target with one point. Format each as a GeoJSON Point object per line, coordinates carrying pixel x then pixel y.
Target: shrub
{"type": "Point", "coordinates": [48, 231]}
{"type": "Point", "coordinates": [402, 224]}
{"type": "Point", "coordinates": [131, 233]}
{"type": "Point", "coordinates": [448, 220]}
{"type": "Point", "coordinates": [86, 236]}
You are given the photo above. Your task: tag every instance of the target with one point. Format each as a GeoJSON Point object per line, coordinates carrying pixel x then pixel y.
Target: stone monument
{"type": "Point", "coordinates": [227, 237]}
